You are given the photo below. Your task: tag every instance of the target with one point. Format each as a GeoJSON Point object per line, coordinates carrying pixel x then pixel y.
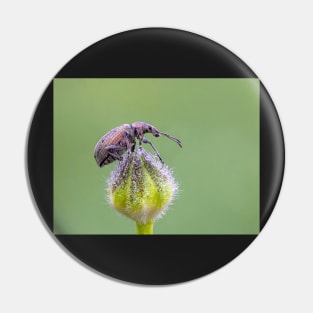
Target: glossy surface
{"type": "Point", "coordinates": [168, 258]}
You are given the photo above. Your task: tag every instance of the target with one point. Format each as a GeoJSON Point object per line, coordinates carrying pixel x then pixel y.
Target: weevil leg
{"type": "Point", "coordinates": [113, 151]}
{"type": "Point", "coordinates": [115, 156]}
{"type": "Point", "coordinates": [145, 140]}
{"type": "Point", "coordinates": [130, 147]}
{"type": "Point", "coordinates": [140, 138]}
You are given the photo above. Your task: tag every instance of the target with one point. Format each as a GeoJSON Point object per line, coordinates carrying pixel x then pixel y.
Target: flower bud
{"type": "Point", "coordinates": [141, 187]}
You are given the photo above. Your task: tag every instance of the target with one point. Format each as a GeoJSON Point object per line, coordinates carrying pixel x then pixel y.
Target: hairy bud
{"type": "Point", "coordinates": [141, 187]}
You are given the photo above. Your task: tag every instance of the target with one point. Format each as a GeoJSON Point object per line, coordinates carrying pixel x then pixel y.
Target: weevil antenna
{"type": "Point", "coordinates": [172, 138]}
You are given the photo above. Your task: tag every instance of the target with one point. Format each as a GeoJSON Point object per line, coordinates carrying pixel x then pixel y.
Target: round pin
{"type": "Point", "coordinates": [155, 156]}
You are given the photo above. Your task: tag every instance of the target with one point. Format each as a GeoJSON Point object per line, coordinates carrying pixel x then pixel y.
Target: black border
{"type": "Point", "coordinates": [146, 53]}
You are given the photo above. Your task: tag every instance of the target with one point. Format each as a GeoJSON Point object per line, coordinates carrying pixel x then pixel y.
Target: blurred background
{"type": "Point", "coordinates": [217, 169]}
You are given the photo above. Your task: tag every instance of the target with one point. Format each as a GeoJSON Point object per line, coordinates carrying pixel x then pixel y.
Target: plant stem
{"type": "Point", "coordinates": [145, 229]}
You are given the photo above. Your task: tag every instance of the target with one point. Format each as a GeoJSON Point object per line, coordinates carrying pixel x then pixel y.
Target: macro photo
{"type": "Point", "coordinates": [156, 156]}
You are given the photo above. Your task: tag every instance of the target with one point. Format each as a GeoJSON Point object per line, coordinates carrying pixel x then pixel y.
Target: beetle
{"type": "Point", "coordinates": [123, 138]}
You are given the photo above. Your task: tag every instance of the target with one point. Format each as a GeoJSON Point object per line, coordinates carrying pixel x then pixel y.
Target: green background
{"type": "Point", "coordinates": [217, 169]}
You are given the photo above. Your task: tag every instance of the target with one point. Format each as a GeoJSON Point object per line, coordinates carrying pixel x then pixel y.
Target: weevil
{"type": "Point", "coordinates": [122, 138]}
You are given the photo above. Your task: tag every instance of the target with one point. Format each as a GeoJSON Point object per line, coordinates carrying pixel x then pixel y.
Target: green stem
{"type": "Point", "coordinates": [145, 229]}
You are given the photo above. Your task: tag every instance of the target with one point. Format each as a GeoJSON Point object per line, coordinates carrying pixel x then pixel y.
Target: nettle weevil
{"type": "Point", "coordinates": [123, 138]}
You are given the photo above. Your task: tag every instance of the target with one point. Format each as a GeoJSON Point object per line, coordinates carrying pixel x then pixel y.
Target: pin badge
{"type": "Point", "coordinates": [127, 201]}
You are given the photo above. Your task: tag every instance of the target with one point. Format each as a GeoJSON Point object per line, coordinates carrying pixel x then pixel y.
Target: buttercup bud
{"type": "Point", "coordinates": [141, 188]}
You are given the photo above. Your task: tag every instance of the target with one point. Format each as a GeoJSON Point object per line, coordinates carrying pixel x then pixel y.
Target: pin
{"type": "Point", "coordinates": [225, 180]}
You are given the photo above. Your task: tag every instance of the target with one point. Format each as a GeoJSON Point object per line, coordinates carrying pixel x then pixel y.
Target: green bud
{"type": "Point", "coordinates": [141, 188]}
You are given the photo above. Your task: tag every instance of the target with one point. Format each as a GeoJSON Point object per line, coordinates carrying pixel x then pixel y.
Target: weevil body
{"type": "Point", "coordinates": [120, 139]}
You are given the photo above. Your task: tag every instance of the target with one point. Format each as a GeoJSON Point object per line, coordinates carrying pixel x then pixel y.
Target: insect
{"type": "Point", "coordinates": [122, 138]}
